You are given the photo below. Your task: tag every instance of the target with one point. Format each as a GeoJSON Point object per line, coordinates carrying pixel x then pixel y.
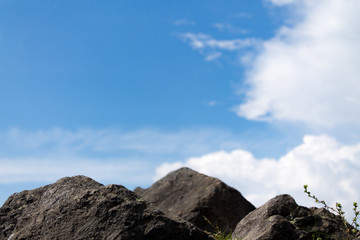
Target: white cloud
{"type": "Point", "coordinates": [213, 48]}
{"type": "Point", "coordinates": [229, 28]}
{"type": "Point", "coordinates": [202, 41]}
{"type": "Point", "coordinates": [28, 169]}
{"type": "Point", "coordinates": [126, 157]}
{"type": "Point", "coordinates": [211, 103]}
{"type": "Point", "coordinates": [309, 72]}
{"type": "Point", "coordinates": [243, 15]}
{"type": "Point", "coordinates": [184, 21]}
{"type": "Point", "coordinates": [212, 56]}
{"type": "Point", "coordinates": [329, 168]}
{"type": "Point", "coordinates": [283, 2]}
{"type": "Point", "coordinates": [148, 141]}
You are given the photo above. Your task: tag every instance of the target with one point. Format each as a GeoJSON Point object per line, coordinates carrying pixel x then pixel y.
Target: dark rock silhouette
{"type": "Point", "coordinates": [282, 219]}
{"type": "Point", "coordinates": [81, 208]}
{"type": "Point", "coordinates": [192, 196]}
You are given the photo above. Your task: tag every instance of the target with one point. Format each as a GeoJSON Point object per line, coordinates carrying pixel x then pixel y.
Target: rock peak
{"type": "Point", "coordinates": [192, 196]}
{"type": "Point", "coordinates": [78, 179]}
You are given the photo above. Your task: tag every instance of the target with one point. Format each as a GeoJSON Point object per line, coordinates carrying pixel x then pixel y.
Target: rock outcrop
{"type": "Point", "coordinates": [192, 196]}
{"type": "Point", "coordinates": [282, 219]}
{"type": "Point", "coordinates": [83, 209]}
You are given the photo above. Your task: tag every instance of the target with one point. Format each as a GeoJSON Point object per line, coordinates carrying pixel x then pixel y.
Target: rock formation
{"type": "Point", "coordinates": [192, 196]}
{"type": "Point", "coordinates": [80, 208]}
{"type": "Point", "coordinates": [282, 219]}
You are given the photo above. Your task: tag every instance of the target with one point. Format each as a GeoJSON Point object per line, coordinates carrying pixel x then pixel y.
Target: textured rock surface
{"type": "Point", "coordinates": [192, 196]}
{"type": "Point", "coordinates": [80, 208]}
{"type": "Point", "coordinates": [282, 219]}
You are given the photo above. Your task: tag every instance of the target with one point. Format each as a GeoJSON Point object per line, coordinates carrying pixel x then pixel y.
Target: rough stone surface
{"type": "Point", "coordinates": [192, 196]}
{"type": "Point", "coordinates": [282, 219]}
{"type": "Point", "coordinates": [82, 209]}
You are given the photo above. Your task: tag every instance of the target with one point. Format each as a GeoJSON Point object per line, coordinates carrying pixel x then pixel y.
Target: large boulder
{"type": "Point", "coordinates": [81, 208]}
{"type": "Point", "coordinates": [193, 196]}
{"type": "Point", "coordinates": [282, 219]}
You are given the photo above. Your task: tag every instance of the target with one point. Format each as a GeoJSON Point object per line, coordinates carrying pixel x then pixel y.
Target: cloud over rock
{"type": "Point", "coordinates": [327, 166]}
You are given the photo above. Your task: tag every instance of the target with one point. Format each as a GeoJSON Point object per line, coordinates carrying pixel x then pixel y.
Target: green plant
{"type": "Point", "coordinates": [353, 227]}
{"type": "Point", "coordinates": [221, 236]}
{"type": "Point", "coordinates": [315, 237]}
{"type": "Point", "coordinates": [218, 235]}
{"type": "Point", "coordinates": [355, 218]}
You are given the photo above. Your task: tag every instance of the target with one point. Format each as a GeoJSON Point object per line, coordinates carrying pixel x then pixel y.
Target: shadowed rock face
{"type": "Point", "coordinates": [282, 219]}
{"type": "Point", "coordinates": [80, 208]}
{"type": "Point", "coordinates": [192, 196]}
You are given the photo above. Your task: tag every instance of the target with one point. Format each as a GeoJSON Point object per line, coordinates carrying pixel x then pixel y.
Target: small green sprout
{"type": "Point", "coordinates": [339, 211]}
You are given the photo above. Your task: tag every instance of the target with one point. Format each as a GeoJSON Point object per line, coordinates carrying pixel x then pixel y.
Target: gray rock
{"type": "Point", "coordinates": [82, 209]}
{"type": "Point", "coordinates": [192, 196]}
{"type": "Point", "coordinates": [282, 219]}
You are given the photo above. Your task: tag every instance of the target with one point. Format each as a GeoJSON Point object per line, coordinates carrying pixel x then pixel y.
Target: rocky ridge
{"type": "Point", "coordinates": [172, 208]}
{"type": "Point", "coordinates": [83, 209]}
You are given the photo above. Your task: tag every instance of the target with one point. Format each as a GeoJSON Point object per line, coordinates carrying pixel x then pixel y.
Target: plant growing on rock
{"type": "Point", "coordinates": [221, 236]}
{"type": "Point", "coordinates": [218, 235]}
{"type": "Point", "coordinates": [352, 228]}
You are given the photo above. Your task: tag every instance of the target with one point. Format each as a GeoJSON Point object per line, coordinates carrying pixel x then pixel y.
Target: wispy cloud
{"type": "Point", "coordinates": [327, 166]}
{"type": "Point", "coordinates": [212, 56]}
{"type": "Point", "coordinates": [109, 140]}
{"type": "Point", "coordinates": [284, 2]}
{"type": "Point", "coordinates": [213, 48]}
{"type": "Point", "coordinates": [183, 22]}
{"type": "Point", "coordinates": [226, 27]}
{"type": "Point", "coordinates": [202, 41]}
{"type": "Point", "coordinates": [243, 15]}
{"type": "Point", "coordinates": [115, 170]}
{"type": "Point", "coordinates": [211, 103]}
{"type": "Point", "coordinates": [309, 72]}
{"type": "Point", "coordinates": [126, 157]}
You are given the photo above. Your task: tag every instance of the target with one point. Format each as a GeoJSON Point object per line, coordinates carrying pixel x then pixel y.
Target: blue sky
{"type": "Point", "coordinates": [118, 64]}
{"type": "Point", "coordinates": [262, 92]}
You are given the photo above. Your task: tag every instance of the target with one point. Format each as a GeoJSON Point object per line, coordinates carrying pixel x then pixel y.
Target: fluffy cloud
{"type": "Point", "coordinates": [309, 72]}
{"type": "Point", "coordinates": [328, 167]}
